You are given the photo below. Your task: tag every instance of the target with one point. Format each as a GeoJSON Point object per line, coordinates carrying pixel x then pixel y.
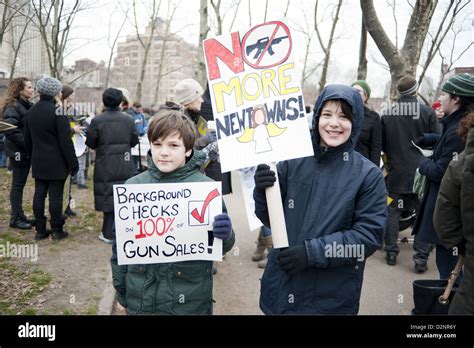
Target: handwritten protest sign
{"type": "Point", "coordinates": [158, 223]}
{"type": "Point", "coordinates": [256, 96]}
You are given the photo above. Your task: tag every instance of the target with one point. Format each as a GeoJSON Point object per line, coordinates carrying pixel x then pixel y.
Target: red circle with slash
{"type": "Point", "coordinates": [257, 65]}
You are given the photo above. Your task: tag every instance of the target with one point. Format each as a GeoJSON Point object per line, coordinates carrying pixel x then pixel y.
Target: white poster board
{"type": "Point", "coordinates": [247, 185]}
{"type": "Point", "coordinates": [256, 96]}
{"type": "Point", "coordinates": [79, 141]}
{"type": "Point", "coordinates": [159, 223]}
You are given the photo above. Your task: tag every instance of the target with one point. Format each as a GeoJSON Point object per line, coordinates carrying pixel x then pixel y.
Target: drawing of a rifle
{"type": "Point", "coordinates": [261, 44]}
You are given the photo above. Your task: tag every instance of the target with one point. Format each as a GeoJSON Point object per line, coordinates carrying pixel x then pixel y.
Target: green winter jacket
{"type": "Point", "coordinates": [167, 288]}
{"type": "Point", "coordinates": [454, 221]}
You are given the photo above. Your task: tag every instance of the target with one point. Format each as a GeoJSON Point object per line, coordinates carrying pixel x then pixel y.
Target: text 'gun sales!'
{"type": "Point", "coordinates": [256, 96]}
{"type": "Point", "coordinates": [158, 223]}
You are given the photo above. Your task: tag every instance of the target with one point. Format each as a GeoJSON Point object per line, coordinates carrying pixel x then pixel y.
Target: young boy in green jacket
{"type": "Point", "coordinates": [175, 287]}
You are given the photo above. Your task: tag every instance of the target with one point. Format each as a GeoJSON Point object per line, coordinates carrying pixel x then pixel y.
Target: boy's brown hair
{"type": "Point", "coordinates": [170, 122]}
{"type": "Point", "coordinates": [346, 108]}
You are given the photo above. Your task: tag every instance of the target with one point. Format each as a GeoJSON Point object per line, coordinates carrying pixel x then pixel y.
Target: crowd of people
{"type": "Point", "coordinates": [354, 192]}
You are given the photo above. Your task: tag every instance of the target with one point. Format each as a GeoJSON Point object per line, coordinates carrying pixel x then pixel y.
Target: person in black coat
{"type": "Point", "coordinates": [369, 143]}
{"type": "Point", "coordinates": [405, 122]}
{"type": "Point", "coordinates": [14, 107]}
{"type": "Point", "coordinates": [457, 100]}
{"type": "Point", "coordinates": [48, 141]}
{"type": "Point", "coordinates": [112, 134]}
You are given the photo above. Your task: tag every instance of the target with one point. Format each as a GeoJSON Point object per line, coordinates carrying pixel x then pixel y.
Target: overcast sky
{"type": "Point", "coordinates": [89, 39]}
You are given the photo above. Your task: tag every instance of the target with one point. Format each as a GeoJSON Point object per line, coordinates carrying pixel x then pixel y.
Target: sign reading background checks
{"type": "Point", "coordinates": [256, 97]}
{"type": "Point", "coordinates": [158, 223]}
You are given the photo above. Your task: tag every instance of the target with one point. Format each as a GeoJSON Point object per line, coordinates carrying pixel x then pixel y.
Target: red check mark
{"type": "Point", "coordinates": [200, 216]}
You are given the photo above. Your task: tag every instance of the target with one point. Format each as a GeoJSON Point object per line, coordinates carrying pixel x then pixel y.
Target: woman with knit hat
{"type": "Point", "coordinates": [369, 143]}
{"type": "Point", "coordinates": [457, 100]}
{"type": "Point", "coordinates": [48, 141]}
{"type": "Point", "coordinates": [189, 94]}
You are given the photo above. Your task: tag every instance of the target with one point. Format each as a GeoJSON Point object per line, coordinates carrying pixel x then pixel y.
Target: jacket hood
{"type": "Point", "coordinates": [194, 163]}
{"type": "Point", "coordinates": [353, 98]}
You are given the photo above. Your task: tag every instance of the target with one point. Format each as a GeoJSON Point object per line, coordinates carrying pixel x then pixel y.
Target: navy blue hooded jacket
{"type": "Point", "coordinates": [335, 199]}
{"type": "Point", "coordinates": [446, 149]}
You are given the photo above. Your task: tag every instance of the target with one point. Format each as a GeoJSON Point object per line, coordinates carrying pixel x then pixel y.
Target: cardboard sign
{"type": "Point", "coordinates": [159, 223]}
{"type": "Point", "coordinates": [256, 96]}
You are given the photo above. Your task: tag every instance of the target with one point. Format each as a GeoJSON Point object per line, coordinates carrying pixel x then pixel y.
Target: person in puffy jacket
{"type": "Point", "coordinates": [159, 288]}
{"type": "Point", "coordinates": [14, 107]}
{"type": "Point", "coordinates": [335, 206]}
{"type": "Point", "coordinates": [454, 216]}
{"type": "Point", "coordinates": [112, 134]}
{"type": "Point", "coordinates": [457, 99]}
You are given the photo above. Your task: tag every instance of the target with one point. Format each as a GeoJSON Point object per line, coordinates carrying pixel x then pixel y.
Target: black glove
{"type": "Point", "coordinates": [222, 226]}
{"type": "Point", "coordinates": [214, 156]}
{"type": "Point", "coordinates": [210, 137]}
{"type": "Point", "coordinates": [293, 260]}
{"type": "Point", "coordinates": [74, 170]}
{"type": "Point", "coordinates": [264, 177]}
{"type": "Point", "coordinates": [420, 141]}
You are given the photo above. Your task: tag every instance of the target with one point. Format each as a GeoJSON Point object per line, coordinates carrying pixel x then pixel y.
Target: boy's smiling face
{"type": "Point", "coordinates": [334, 126]}
{"type": "Point", "coordinates": [169, 153]}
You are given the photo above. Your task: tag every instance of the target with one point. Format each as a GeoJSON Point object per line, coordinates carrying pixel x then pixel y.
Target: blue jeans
{"type": "Point", "coordinates": [3, 159]}
{"type": "Point", "coordinates": [266, 232]}
{"type": "Point", "coordinates": [445, 262]}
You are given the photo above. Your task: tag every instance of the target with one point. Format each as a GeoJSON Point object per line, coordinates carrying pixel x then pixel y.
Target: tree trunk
{"type": "Point", "coordinates": [203, 30]}
{"type": "Point", "coordinates": [404, 61]}
{"type": "Point", "coordinates": [162, 54]}
{"type": "Point", "coordinates": [109, 63]}
{"type": "Point", "coordinates": [362, 68]}
{"type": "Point", "coordinates": [327, 49]}
{"type": "Point", "coordinates": [143, 70]}
{"type": "Point", "coordinates": [16, 46]}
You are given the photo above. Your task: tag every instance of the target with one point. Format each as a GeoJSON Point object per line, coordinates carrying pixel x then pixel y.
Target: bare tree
{"type": "Point", "coordinates": [306, 29]}
{"type": "Point", "coordinates": [285, 12]}
{"type": "Point", "coordinates": [216, 5]}
{"type": "Point", "coordinates": [448, 60]}
{"type": "Point", "coordinates": [114, 42]}
{"type": "Point", "coordinates": [405, 60]}
{"type": "Point", "coordinates": [171, 11]}
{"type": "Point", "coordinates": [362, 68]}
{"type": "Point", "coordinates": [442, 30]}
{"type": "Point", "coordinates": [266, 11]}
{"type": "Point", "coordinates": [145, 40]}
{"type": "Point", "coordinates": [393, 6]}
{"type": "Point", "coordinates": [18, 42]}
{"type": "Point", "coordinates": [54, 20]}
{"type": "Point", "coordinates": [250, 14]}
{"type": "Point", "coordinates": [203, 31]}
{"type": "Point", "coordinates": [326, 47]}
{"type": "Point", "coordinates": [237, 5]}
{"type": "Point", "coordinates": [85, 73]}
{"type": "Point", "coordinates": [9, 11]}
{"type": "Point", "coordinates": [221, 14]}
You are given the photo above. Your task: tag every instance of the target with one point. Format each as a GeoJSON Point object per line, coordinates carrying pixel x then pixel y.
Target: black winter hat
{"type": "Point", "coordinates": [112, 97]}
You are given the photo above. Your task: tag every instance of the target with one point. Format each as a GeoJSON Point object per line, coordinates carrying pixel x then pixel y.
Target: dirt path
{"type": "Point", "coordinates": [68, 276]}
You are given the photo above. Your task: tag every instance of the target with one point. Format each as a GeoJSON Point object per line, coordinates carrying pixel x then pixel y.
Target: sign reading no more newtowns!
{"type": "Point", "coordinates": [158, 223]}
{"type": "Point", "coordinates": [256, 96]}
